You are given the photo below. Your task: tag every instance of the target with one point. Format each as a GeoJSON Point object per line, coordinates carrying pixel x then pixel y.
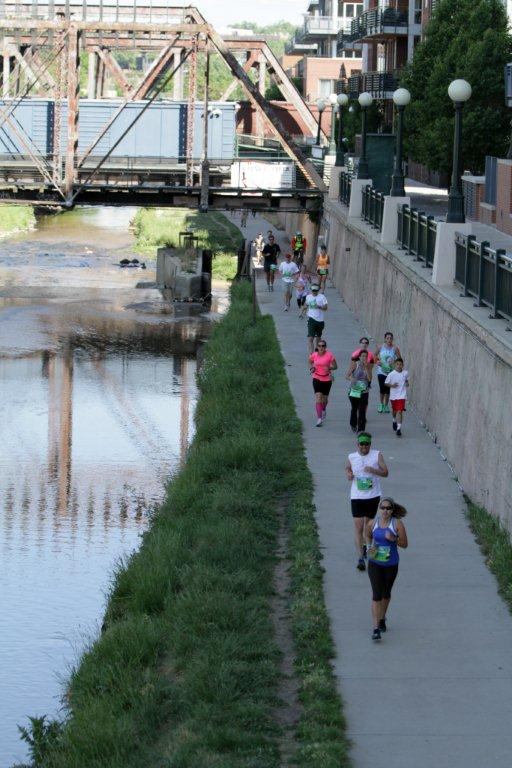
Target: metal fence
{"type": "Point", "coordinates": [485, 273]}
{"type": "Point", "coordinates": [345, 188]}
{"type": "Point", "coordinates": [373, 206]}
{"type": "Point", "coordinates": [417, 233]}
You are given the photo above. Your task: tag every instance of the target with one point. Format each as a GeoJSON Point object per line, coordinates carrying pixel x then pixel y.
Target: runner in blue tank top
{"type": "Point", "coordinates": [386, 533]}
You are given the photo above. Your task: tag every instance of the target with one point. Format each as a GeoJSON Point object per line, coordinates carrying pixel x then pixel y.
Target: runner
{"type": "Point", "coordinates": [270, 253]}
{"type": "Point", "coordinates": [322, 266]}
{"type": "Point", "coordinates": [364, 343]}
{"type": "Point", "coordinates": [360, 375]}
{"type": "Point", "coordinates": [259, 243]}
{"type": "Point", "coordinates": [398, 381]}
{"type": "Point", "coordinates": [364, 469]}
{"type": "Point", "coordinates": [323, 363]}
{"type": "Point", "coordinates": [385, 357]}
{"type": "Point", "coordinates": [289, 271]}
{"type": "Point", "coordinates": [315, 307]}
{"type": "Point", "coordinates": [299, 244]}
{"type": "Point", "coordinates": [386, 533]}
{"type": "Point", "coordinates": [301, 289]}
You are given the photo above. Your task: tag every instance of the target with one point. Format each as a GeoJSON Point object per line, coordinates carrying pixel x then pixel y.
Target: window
{"type": "Point", "coordinates": [325, 88]}
{"type": "Point", "coordinates": [349, 10]}
{"type": "Point", "coordinates": [417, 11]}
{"type": "Point", "coordinates": [359, 9]}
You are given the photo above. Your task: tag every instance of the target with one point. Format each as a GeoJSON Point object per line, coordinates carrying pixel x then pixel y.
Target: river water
{"type": "Point", "coordinates": [97, 393]}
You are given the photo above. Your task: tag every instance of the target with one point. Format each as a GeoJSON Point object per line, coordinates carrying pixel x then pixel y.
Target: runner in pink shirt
{"type": "Point", "coordinates": [364, 343]}
{"type": "Point", "coordinates": [322, 364]}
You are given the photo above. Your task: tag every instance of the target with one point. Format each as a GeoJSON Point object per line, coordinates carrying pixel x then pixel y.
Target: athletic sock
{"type": "Point", "coordinates": [319, 410]}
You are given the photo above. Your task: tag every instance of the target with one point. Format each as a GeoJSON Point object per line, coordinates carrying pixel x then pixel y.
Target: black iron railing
{"type": "Point", "coordinates": [345, 188]}
{"type": "Point", "coordinates": [485, 273]}
{"type": "Point", "coordinates": [417, 234]}
{"type": "Point", "coordinates": [379, 84]}
{"type": "Point", "coordinates": [376, 22]}
{"type": "Point", "coordinates": [373, 206]}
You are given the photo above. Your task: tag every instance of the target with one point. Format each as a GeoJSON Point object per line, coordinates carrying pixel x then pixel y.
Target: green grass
{"type": "Point", "coordinates": [162, 226]}
{"type": "Point", "coordinates": [185, 673]}
{"type": "Point", "coordinates": [16, 218]}
{"type": "Point", "coordinates": [494, 541]}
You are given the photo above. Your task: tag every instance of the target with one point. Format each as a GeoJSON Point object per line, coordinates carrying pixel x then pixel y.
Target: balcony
{"type": "Point", "coordinates": [380, 84]}
{"type": "Point", "coordinates": [298, 46]}
{"type": "Point", "coordinates": [320, 26]}
{"type": "Point", "coordinates": [378, 25]}
{"type": "Point", "coordinates": [346, 41]}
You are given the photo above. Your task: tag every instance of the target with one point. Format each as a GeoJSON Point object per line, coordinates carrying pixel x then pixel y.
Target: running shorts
{"type": "Point", "coordinates": [315, 327]}
{"type": "Point", "coordinates": [322, 271]}
{"type": "Point", "coordinates": [365, 507]}
{"type": "Point", "coordinates": [398, 405]}
{"type": "Point", "coordinates": [322, 387]}
{"type": "Point", "coordinates": [382, 578]}
{"type": "Point", "coordinates": [383, 389]}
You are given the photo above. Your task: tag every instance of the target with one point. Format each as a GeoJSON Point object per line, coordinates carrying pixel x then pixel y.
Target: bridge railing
{"type": "Point", "coordinates": [372, 206]}
{"type": "Point", "coordinates": [417, 232]}
{"type": "Point", "coordinates": [485, 273]}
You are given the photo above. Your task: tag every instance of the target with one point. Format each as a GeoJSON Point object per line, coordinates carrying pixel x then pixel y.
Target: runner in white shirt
{"type": "Point", "coordinates": [398, 381]}
{"type": "Point", "coordinates": [315, 306]}
{"type": "Point", "coordinates": [289, 270]}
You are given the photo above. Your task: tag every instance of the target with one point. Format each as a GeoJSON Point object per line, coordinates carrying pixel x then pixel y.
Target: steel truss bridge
{"type": "Point", "coordinates": [42, 43]}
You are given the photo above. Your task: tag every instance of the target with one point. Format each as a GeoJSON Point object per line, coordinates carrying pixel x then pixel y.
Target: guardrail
{"type": "Point", "coordinates": [485, 273]}
{"type": "Point", "coordinates": [417, 233]}
{"type": "Point", "coordinates": [373, 206]}
{"type": "Point", "coordinates": [345, 188]}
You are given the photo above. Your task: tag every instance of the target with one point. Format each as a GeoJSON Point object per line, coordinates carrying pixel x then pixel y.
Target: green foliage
{"type": "Point", "coordinates": [495, 544]}
{"type": "Point", "coordinates": [465, 39]}
{"type": "Point", "coordinates": [16, 218]}
{"type": "Point", "coordinates": [42, 736]}
{"type": "Point", "coordinates": [352, 122]}
{"type": "Point", "coordinates": [185, 672]}
{"type": "Point", "coordinates": [273, 92]}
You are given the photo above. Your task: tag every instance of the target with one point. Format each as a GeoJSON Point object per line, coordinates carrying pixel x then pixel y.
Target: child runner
{"type": "Point", "coordinates": [270, 253]}
{"type": "Point", "coordinates": [289, 270]}
{"type": "Point", "coordinates": [386, 533]}
{"type": "Point", "coordinates": [398, 381]}
{"type": "Point", "coordinates": [385, 357]}
{"type": "Point", "coordinates": [323, 363]}
{"type": "Point", "coordinates": [301, 289]}
{"type": "Point", "coordinates": [364, 469]}
{"type": "Point", "coordinates": [322, 266]}
{"type": "Point", "coordinates": [315, 306]}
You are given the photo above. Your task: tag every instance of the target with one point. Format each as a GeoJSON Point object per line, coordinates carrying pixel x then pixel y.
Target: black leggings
{"type": "Point", "coordinates": [358, 412]}
{"type": "Point", "coordinates": [382, 578]}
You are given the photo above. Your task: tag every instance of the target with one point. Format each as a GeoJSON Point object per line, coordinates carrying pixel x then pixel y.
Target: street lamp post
{"type": "Point", "coordinates": [340, 153]}
{"type": "Point", "coordinates": [320, 105]}
{"type": "Point", "coordinates": [333, 99]}
{"type": "Point", "coordinates": [401, 98]}
{"type": "Point", "coordinates": [365, 100]}
{"type": "Point", "coordinates": [459, 91]}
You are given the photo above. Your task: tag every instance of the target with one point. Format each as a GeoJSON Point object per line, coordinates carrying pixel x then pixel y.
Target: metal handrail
{"type": "Point", "coordinates": [345, 187]}
{"type": "Point", "coordinates": [417, 232]}
{"type": "Point", "coordinates": [373, 206]}
{"type": "Point", "coordinates": [484, 273]}
{"type": "Point", "coordinates": [375, 21]}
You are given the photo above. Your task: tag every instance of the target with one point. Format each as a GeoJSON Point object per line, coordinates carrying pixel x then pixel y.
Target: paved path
{"type": "Point", "coordinates": [437, 691]}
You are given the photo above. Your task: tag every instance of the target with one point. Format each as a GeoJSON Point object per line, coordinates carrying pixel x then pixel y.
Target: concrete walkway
{"type": "Point", "coordinates": [437, 691]}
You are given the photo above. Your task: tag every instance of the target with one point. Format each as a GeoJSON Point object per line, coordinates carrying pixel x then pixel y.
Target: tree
{"type": "Point", "coordinates": [465, 39]}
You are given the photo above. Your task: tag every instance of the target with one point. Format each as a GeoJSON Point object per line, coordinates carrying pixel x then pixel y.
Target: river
{"type": "Point", "coordinates": [97, 394]}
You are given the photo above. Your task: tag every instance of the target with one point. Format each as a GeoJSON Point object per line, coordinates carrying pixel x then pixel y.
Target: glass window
{"type": "Point", "coordinates": [325, 88]}
{"type": "Point", "coordinates": [349, 10]}
{"type": "Point", "coordinates": [417, 11]}
{"type": "Point", "coordinates": [359, 9]}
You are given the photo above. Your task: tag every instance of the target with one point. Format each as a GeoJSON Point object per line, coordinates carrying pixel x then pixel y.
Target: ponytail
{"type": "Point", "coordinates": [398, 510]}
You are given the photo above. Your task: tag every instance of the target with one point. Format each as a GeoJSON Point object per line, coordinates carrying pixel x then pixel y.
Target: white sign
{"type": "Point", "coordinates": [251, 174]}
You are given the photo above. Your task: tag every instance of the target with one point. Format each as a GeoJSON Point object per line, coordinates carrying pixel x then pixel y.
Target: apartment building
{"type": "Point", "coordinates": [313, 54]}
{"type": "Point", "coordinates": [387, 32]}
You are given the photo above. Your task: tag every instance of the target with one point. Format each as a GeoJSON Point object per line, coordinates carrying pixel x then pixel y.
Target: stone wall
{"type": "Point", "coordinates": [461, 371]}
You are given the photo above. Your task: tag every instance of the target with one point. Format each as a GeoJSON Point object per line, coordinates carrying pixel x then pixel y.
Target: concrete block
{"type": "Point", "coordinates": [443, 272]}
{"type": "Point", "coordinates": [390, 218]}
{"type": "Point", "coordinates": [356, 197]}
{"type": "Point", "coordinates": [187, 286]}
{"type": "Point", "coordinates": [334, 185]}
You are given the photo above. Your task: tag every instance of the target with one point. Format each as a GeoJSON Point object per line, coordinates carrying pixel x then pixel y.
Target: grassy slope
{"type": "Point", "coordinates": [157, 227]}
{"type": "Point", "coordinates": [16, 218]}
{"type": "Point", "coordinates": [185, 673]}
{"type": "Point", "coordinates": [495, 543]}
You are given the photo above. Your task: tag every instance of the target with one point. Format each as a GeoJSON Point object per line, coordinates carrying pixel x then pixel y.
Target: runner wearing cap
{"type": "Point", "coordinates": [289, 271]}
{"type": "Point", "coordinates": [322, 364]}
{"type": "Point", "coordinates": [386, 533]}
{"type": "Point", "coordinates": [364, 469]}
{"type": "Point", "coordinates": [299, 244]}
{"type": "Point", "coordinates": [270, 253]}
{"type": "Point", "coordinates": [315, 307]}
{"type": "Point", "coordinates": [398, 381]}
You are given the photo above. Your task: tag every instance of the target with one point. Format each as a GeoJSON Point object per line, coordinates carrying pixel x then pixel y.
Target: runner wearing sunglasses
{"type": "Point", "coordinates": [387, 533]}
{"type": "Point", "coordinates": [322, 364]}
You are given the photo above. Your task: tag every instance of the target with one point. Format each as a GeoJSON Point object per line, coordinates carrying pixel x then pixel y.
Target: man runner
{"type": "Point", "coordinates": [270, 253]}
{"type": "Point", "coordinates": [289, 271]}
{"type": "Point", "coordinates": [299, 244]}
{"type": "Point", "coordinates": [315, 307]}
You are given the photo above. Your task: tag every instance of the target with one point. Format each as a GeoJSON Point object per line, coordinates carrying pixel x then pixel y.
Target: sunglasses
{"type": "Point", "coordinates": [386, 507]}
{"type": "Point", "coordinates": [321, 345]}
{"type": "Point", "coordinates": [364, 341]}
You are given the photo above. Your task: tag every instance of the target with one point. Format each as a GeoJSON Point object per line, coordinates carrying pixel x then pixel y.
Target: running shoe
{"type": "Point", "coordinates": [394, 426]}
{"type": "Point", "coordinates": [364, 551]}
{"type": "Point", "coordinates": [380, 408]}
{"type": "Point", "coordinates": [324, 415]}
{"type": "Point", "coordinates": [354, 429]}
{"type": "Point", "coordinates": [319, 423]}
{"type": "Point", "coordinates": [376, 634]}
{"type": "Point", "coordinates": [382, 625]}
{"type": "Point", "coordinates": [385, 409]}
{"type": "Point", "coordinates": [398, 433]}
{"type": "Point", "coordinates": [360, 564]}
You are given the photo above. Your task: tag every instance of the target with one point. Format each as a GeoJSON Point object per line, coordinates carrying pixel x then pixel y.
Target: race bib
{"type": "Point", "coordinates": [273, 267]}
{"type": "Point", "coordinates": [322, 271]}
{"type": "Point", "coordinates": [364, 483]}
{"type": "Point", "coordinates": [382, 554]}
{"type": "Point", "coordinates": [385, 368]}
{"type": "Point", "coordinates": [313, 304]}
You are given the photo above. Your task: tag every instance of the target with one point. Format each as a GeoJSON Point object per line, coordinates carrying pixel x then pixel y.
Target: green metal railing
{"type": "Point", "coordinates": [373, 206]}
{"type": "Point", "coordinates": [345, 188]}
{"type": "Point", "coordinates": [417, 234]}
{"type": "Point", "coordinates": [485, 273]}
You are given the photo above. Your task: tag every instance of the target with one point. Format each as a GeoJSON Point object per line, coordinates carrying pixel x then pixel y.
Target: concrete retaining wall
{"type": "Point", "coordinates": [461, 371]}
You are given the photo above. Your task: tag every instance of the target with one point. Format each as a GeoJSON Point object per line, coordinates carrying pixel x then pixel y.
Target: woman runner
{"type": "Point", "coordinates": [323, 363]}
{"type": "Point", "coordinates": [364, 343]}
{"type": "Point", "coordinates": [322, 266]}
{"type": "Point", "coordinates": [387, 533]}
{"type": "Point", "coordinates": [385, 357]}
{"type": "Point", "coordinates": [360, 375]}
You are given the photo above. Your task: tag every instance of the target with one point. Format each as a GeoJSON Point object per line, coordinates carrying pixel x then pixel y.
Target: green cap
{"type": "Point", "coordinates": [364, 440]}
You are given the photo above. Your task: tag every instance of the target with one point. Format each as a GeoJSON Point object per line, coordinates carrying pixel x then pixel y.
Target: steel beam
{"type": "Point", "coordinates": [115, 70]}
{"type": "Point", "coordinates": [73, 106]}
{"type": "Point", "coordinates": [250, 62]}
{"type": "Point", "coordinates": [154, 73]}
